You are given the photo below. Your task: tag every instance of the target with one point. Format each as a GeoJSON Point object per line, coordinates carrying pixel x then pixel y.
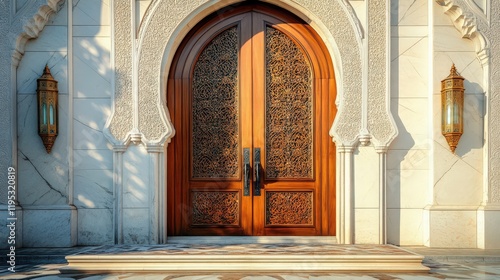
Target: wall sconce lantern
{"type": "Point", "coordinates": [452, 102]}
{"type": "Point", "coordinates": [47, 108]}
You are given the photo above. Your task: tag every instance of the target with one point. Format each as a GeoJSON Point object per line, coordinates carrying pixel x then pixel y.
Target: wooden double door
{"type": "Point", "coordinates": [251, 94]}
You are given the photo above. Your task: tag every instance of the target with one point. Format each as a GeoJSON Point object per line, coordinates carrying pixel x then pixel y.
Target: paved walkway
{"type": "Point", "coordinates": [444, 263]}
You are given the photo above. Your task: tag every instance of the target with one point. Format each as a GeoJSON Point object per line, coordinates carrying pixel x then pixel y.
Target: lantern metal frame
{"type": "Point", "coordinates": [47, 95]}
{"type": "Point", "coordinates": [452, 108]}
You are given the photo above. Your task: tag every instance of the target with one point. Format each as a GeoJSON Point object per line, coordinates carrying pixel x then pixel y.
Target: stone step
{"type": "Point", "coordinates": [245, 257]}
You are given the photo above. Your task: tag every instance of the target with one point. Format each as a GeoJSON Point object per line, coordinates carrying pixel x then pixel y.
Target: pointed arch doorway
{"type": "Point", "coordinates": [251, 93]}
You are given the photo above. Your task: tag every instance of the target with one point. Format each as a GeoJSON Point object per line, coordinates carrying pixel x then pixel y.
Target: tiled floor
{"type": "Point", "coordinates": [250, 249]}
{"type": "Point", "coordinates": [444, 263]}
{"type": "Point", "coordinates": [438, 271]}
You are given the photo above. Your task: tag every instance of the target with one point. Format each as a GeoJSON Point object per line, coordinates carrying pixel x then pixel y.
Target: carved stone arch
{"type": "Point", "coordinates": [26, 27]}
{"type": "Point", "coordinates": [165, 24]}
{"type": "Point", "coordinates": [161, 31]}
{"type": "Point", "coordinates": [468, 23]}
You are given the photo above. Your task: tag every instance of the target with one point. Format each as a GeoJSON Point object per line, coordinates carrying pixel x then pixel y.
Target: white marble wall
{"type": "Point", "coordinates": [49, 226]}
{"type": "Point", "coordinates": [408, 156]}
{"type": "Point", "coordinates": [136, 195]}
{"type": "Point", "coordinates": [488, 223]}
{"type": "Point", "coordinates": [85, 83]}
{"type": "Point", "coordinates": [48, 180]}
{"type": "Point", "coordinates": [92, 87]}
{"type": "Point", "coordinates": [366, 196]}
{"type": "Point", "coordinates": [44, 179]}
{"type": "Point", "coordinates": [422, 172]}
{"type": "Point", "coordinates": [432, 194]}
{"type": "Point", "coordinates": [457, 179]}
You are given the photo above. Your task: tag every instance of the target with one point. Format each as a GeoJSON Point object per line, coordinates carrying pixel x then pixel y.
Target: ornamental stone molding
{"type": "Point", "coordinates": [468, 20]}
{"type": "Point", "coordinates": [28, 22]}
{"type": "Point", "coordinates": [121, 127]}
{"type": "Point", "coordinates": [141, 66]}
{"type": "Point", "coordinates": [485, 33]}
{"type": "Point", "coordinates": [380, 123]}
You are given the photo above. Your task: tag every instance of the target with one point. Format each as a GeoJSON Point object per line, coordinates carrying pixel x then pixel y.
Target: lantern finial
{"type": "Point", "coordinates": [453, 72]}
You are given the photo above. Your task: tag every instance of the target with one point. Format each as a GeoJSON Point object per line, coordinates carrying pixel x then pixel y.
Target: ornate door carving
{"type": "Point", "coordinates": [259, 79]}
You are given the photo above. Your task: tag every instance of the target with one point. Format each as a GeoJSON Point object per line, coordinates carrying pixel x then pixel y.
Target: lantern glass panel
{"type": "Point", "coordinates": [51, 114]}
{"type": "Point", "coordinates": [448, 114]}
{"type": "Point", "coordinates": [456, 114]}
{"type": "Point", "coordinates": [44, 113]}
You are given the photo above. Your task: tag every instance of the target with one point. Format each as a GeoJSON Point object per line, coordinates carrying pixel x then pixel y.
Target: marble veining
{"type": "Point", "coordinates": [31, 67]}
{"type": "Point", "coordinates": [91, 12]}
{"type": "Point", "coordinates": [95, 226]}
{"type": "Point", "coordinates": [135, 226]}
{"type": "Point", "coordinates": [93, 189]}
{"type": "Point", "coordinates": [460, 228]}
{"type": "Point", "coordinates": [48, 228]}
{"type": "Point", "coordinates": [409, 12]}
{"type": "Point", "coordinates": [48, 181]}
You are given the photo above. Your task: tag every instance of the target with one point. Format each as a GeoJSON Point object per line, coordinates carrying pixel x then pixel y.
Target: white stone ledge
{"type": "Point", "coordinates": [48, 207]}
{"type": "Point", "coordinates": [451, 208]}
{"type": "Point", "coordinates": [252, 240]}
{"type": "Point", "coordinates": [239, 263]}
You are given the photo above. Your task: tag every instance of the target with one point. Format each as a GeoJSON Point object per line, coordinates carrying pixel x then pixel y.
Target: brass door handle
{"type": "Point", "coordinates": [258, 172]}
{"type": "Point", "coordinates": [246, 172]}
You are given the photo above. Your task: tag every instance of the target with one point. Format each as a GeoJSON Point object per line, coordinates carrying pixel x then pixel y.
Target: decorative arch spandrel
{"type": "Point", "coordinates": [165, 23]}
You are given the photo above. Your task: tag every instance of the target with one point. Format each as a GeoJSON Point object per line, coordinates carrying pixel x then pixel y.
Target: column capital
{"type": "Point", "coordinates": [381, 149]}
{"type": "Point", "coordinates": [345, 149]}
{"type": "Point", "coordinates": [119, 148]}
{"type": "Point", "coordinates": [155, 148]}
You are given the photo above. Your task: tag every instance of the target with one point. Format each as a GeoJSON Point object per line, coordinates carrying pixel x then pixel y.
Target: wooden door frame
{"type": "Point", "coordinates": [323, 70]}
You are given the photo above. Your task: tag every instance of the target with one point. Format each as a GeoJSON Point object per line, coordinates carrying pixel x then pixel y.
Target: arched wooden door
{"type": "Point", "coordinates": [251, 93]}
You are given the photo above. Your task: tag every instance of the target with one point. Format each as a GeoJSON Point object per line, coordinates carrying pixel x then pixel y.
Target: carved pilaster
{"type": "Point", "coordinates": [382, 177]}
{"type": "Point", "coordinates": [158, 234]}
{"type": "Point", "coordinates": [345, 191]}
{"type": "Point", "coordinates": [120, 123]}
{"type": "Point", "coordinates": [118, 192]}
{"type": "Point", "coordinates": [380, 123]}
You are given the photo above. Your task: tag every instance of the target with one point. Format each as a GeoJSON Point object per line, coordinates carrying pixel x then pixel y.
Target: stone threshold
{"type": "Point", "coordinates": [261, 257]}
{"type": "Point", "coordinates": [221, 240]}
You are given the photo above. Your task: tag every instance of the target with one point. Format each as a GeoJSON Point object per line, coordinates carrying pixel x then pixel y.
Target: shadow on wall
{"type": "Point", "coordinates": [44, 178]}
{"type": "Point", "coordinates": [410, 152]}
{"type": "Point", "coordinates": [93, 157]}
{"type": "Point", "coordinates": [474, 113]}
{"type": "Point", "coordinates": [395, 157]}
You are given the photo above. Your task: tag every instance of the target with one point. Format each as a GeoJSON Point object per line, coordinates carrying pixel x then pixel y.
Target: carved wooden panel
{"type": "Point", "coordinates": [215, 109]}
{"type": "Point", "coordinates": [215, 208]}
{"type": "Point", "coordinates": [289, 208]}
{"type": "Point", "coordinates": [289, 109]}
